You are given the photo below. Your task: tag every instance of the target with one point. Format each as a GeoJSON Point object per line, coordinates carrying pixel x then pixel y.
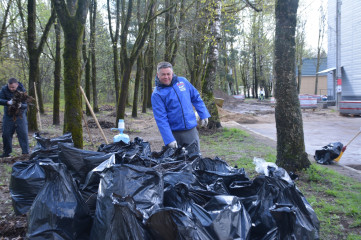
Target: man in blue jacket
{"type": "Point", "coordinates": [172, 100]}
{"type": "Point", "coordinates": [16, 123]}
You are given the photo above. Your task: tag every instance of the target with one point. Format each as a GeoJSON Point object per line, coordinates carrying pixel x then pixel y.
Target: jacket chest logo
{"type": "Point", "coordinates": [181, 86]}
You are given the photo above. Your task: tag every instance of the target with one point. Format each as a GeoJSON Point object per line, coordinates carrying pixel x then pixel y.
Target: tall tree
{"type": "Point", "coordinates": [195, 47]}
{"type": "Point", "coordinates": [300, 45]}
{"type": "Point", "coordinates": [93, 16]}
{"type": "Point", "coordinates": [35, 51]}
{"type": "Point", "coordinates": [321, 34]}
{"type": "Point", "coordinates": [4, 25]}
{"type": "Point", "coordinates": [173, 29]}
{"type": "Point", "coordinates": [127, 60]}
{"type": "Point", "coordinates": [72, 16]}
{"type": "Point", "coordinates": [291, 153]}
{"type": "Point", "coordinates": [139, 69]}
{"type": "Point", "coordinates": [57, 75]}
{"type": "Point", "coordinates": [86, 61]}
{"type": "Point", "coordinates": [115, 37]}
{"type": "Point", "coordinates": [148, 64]}
{"type": "Point", "coordinates": [211, 69]}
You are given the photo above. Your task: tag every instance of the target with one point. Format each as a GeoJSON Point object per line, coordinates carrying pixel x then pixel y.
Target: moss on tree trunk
{"type": "Point", "coordinates": [73, 37]}
{"type": "Point", "coordinates": [291, 153]}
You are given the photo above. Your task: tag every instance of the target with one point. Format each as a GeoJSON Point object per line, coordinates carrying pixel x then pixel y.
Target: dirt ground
{"type": "Point", "coordinates": [144, 126]}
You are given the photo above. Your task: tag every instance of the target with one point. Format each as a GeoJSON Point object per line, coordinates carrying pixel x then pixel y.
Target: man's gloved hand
{"type": "Point", "coordinates": [10, 102]}
{"type": "Point", "coordinates": [204, 122]}
{"type": "Point", "coordinates": [173, 144]}
{"type": "Point", "coordinates": [19, 105]}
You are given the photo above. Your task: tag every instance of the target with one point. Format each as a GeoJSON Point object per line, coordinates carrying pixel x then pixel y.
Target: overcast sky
{"type": "Point", "coordinates": [310, 10]}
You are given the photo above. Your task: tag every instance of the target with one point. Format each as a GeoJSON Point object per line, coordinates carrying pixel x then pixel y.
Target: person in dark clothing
{"type": "Point", "coordinates": [173, 100]}
{"type": "Point", "coordinates": [14, 122]}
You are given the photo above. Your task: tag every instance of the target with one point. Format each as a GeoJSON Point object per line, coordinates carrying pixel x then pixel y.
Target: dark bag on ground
{"type": "Point", "coordinates": [58, 211]}
{"type": "Point", "coordinates": [143, 185]}
{"type": "Point", "coordinates": [328, 153]}
{"type": "Point", "coordinates": [27, 179]}
{"type": "Point", "coordinates": [48, 148]}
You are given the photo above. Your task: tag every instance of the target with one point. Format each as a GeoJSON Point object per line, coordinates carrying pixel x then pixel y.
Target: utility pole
{"type": "Point", "coordinates": [338, 55]}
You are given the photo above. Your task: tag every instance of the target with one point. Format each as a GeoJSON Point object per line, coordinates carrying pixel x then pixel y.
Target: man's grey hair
{"type": "Point", "coordinates": [164, 65]}
{"type": "Point", "coordinates": [12, 80]}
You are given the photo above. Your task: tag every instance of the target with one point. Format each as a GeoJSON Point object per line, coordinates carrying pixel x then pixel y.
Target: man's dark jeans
{"type": "Point", "coordinates": [20, 125]}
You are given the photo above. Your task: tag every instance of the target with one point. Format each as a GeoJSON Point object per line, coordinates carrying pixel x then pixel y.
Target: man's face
{"type": "Point", "coordinates": [165, 76]}
{"type": "Point", "coordinates": [12, 87]}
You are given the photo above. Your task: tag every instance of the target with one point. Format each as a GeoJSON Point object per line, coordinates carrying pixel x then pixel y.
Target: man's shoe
{"type": "Point", "coordinates": [4, 155]}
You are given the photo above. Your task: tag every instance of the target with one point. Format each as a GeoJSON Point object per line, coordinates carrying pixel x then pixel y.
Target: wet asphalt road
{"type": "Point", "coordinates": [320, 129]}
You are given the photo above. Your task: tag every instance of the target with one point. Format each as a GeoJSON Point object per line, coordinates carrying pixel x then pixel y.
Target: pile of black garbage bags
{"type": "Point", "coordinates": [126, 191]}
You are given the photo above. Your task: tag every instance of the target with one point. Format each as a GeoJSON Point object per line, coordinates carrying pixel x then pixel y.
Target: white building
{"type": "Point", "coordinates": [344, 55]}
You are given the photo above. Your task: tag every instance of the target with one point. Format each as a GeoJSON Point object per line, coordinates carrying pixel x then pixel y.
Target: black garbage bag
{"type": "Point", "coordinates": [138, 146]}
{"type": "Point", "coordinates": [328, 153]}
{"type": "Point", "coordinates": [143, 185]}
{"type": "Point", "coordinates": [230, 219]}
{"type": "Point", "coordinates": [136, 160]}
{"type": "Point", "coordinates": [58, 211]}
{"type": "Point", "coordinates": [210, 178]}
{"type": "Point", "coordinates": [271, 191]}
{"type": "Point", "coordinates": [46, 143]}
{"type": "Point", "coordinates": [285, 217]}
{"type": "Point", "coordinates": [210, 171]}
{"type": "Point", "coordinates": [186, 153]}
{"type": "Point", "coordinates": [199, 192]}
{"type": "Point", "coordinates": [89, 189]}
{"type": "Point", "coordinates": [178, 196]}
{"type": "Point", "coordinates": [127, 222]}
{"type": "Point", "coordinates": [79, 162]}
{"type": "Point", "coordinates": [27, 178]}
{"type": "Point", "coordinates": [215, 165]}
{"type": "Point", "coordinates": [48, 148]}
{"type": "Point", "coordinates": [172, 223]}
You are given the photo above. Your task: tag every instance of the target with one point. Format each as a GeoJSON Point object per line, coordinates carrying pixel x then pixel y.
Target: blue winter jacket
{"type": "Point", "coordinates": [172, 107]}
{"type": "Point", "coordinates": [6, 95]}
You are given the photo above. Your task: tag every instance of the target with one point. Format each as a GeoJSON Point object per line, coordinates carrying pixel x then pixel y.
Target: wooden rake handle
{"type": "Point", "coordinates": [92, 112]}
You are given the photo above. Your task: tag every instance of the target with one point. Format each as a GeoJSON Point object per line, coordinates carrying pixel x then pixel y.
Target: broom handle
{"type": "Point", "coordinates": [37, 105]}
{"type": "Point", "coordinates": [95, 118]}
{"type": "Point", "coordinates": [353, 138]}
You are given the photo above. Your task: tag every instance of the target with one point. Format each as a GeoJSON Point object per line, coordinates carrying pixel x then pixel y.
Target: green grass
{"type": "Point", "coordinates": [335, 198]}
{"type": "Point", "coordinates": [236, 147]}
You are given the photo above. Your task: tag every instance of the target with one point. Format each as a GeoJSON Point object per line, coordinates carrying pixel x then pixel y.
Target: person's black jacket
{"type": "Point", "coordinates": [6, 95]}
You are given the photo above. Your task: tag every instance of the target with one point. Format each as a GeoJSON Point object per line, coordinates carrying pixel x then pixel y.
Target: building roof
{"type": "Point", "coordinates": [309, 67]}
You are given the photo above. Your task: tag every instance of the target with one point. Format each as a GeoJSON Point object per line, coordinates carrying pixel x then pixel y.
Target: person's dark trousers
{"type": "Point", "coordinates": [187, 137]}
{"type": "Point", "coordinates": [20, 125]}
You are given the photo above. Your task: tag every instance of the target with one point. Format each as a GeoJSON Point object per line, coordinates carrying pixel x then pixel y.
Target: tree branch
{"type": "Point", "coordinates": [252, 6]}
{"type": "Point", "coordinates": [46, 30]}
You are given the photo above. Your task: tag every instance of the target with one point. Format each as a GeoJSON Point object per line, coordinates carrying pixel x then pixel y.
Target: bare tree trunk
{"type": "Point", "coordinates": [57, 75]}
{"type": "Point", "coordinates": [86, 61]}
{"type": "Point", "coordinates": [291, 153]}
{"type": "Point", "coordinates": [3, 26]}
{"type": "Point", "coordinates": [114, 37]}
{"type": "Point", "coordinates": [93, 16]}
{"type": "Point", "coordinates": [136, 86]}
{"type": "Point", "coordinates": [72, 16]}
{"type": "Point", "coordinates": [128, 61]}
{"type": "Point", "coordinates": [300, 43]}
{"type": "Point", "coordinates": [321, 33]}
{"type": "Point", "coordinates": [34, 55]}
{"type": "Point", "coordinates": [211, 70]}
{"type": "Point", "coordinates": [172, 30]}
{"type": "Point", "coordinates": [148, 70]}
{"type": "Point", "coordinates": [197, 65]}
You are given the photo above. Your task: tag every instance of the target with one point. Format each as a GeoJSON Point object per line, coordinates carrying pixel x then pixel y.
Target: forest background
{"type": "Point", "coordinates": [111, 48]}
